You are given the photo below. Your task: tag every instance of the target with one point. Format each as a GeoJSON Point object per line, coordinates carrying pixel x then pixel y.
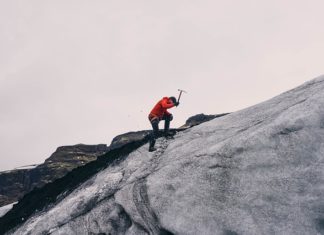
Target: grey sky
{"type": "Point", "coordinates": [85, 71]}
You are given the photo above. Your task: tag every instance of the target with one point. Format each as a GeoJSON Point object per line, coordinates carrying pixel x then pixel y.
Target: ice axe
{"type": "Point", "coordinates": [180, 94]}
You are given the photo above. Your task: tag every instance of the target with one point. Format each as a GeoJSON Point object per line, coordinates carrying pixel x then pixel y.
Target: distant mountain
{"type": "Point", "coordinates": [16, 183]}
{"type": "Point", "coordinates": [255, 171]}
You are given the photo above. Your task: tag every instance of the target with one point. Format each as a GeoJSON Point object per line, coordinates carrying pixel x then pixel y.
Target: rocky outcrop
{"type": "Point", "coordinates": [127, 138]}
{"type": "Point", "coordinates": [201, 118]}
{"type": "Point", "coordinates": [76, 154]}
{"type": "Point", "coordinates": [16, 183]}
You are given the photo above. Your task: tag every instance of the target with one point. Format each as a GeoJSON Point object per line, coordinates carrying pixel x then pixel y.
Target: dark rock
{"type": "Point", "coordinates": [126, 138]}
{"type": "Point", "coordinates": [201, 118]}
{"type": "Point", "coordinates": [16, 183]}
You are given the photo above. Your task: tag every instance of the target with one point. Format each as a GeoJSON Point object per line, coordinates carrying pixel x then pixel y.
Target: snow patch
{"type": "Point", "coordinates": [26, 167]}
{"type": "Point", "coordinates": [6, 208]}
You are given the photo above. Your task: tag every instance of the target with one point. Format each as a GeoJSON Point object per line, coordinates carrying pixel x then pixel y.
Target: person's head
{"type": "Point", "coordinates": [174, 100]}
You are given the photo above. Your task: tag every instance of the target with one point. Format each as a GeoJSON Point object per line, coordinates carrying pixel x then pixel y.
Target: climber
{"type": "Point", "coordinates": [158, 113]}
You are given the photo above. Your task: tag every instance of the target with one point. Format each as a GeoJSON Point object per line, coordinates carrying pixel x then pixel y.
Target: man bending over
{"type": "Point", "coordinates": [158, 113]}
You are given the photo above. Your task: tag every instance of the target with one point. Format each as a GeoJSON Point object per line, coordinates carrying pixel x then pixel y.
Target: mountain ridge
{"type": "Point", "coordinates": [19, 181]}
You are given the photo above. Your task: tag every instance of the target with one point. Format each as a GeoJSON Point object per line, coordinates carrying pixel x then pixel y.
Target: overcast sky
{"type": "Point", "coordinates": [74, 71]}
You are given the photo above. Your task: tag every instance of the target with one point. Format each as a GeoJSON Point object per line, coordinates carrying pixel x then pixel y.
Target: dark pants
{"type": "Point", "coordinates": [155, 125]}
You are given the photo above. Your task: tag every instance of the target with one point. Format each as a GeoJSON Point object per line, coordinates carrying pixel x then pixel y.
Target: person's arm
{"type": "Point", "coordinates": [167, 104]}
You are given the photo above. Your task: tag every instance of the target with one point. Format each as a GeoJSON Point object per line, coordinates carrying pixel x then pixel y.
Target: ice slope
{"type": "Point", "coordinates": [6, 208]}
{"type": "Point", "coordinates": [256, 171]}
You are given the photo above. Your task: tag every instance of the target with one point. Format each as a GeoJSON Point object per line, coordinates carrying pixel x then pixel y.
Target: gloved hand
{"type": "Point", "coordinates": [176, 104]}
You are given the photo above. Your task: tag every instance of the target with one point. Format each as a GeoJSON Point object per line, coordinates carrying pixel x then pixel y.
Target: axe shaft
{"type": "Point", "coordinates": [179, 96]}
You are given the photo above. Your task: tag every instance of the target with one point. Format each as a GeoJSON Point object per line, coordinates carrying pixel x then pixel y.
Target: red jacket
{"type": "Point", "coordinates": [160, 109]}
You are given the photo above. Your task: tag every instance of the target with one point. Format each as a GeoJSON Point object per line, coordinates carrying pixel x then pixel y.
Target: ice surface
{"type": "Point", "coordinates": [256, 171]}
{"type": "Point", "coordinates": [6, 208]}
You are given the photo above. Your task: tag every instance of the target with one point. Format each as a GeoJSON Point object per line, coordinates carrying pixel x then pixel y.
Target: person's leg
{"type": "Point", "coordinates": [167, 119]}
{"type": "Point", "coordinates": [154, 133]}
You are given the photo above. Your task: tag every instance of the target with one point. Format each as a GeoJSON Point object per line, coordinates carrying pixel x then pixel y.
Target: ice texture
{"type": "Point", "coordinates": [257, 171]}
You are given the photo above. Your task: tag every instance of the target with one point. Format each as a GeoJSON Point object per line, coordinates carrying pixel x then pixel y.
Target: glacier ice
{"type": "Point", "coordinates": [255, 171]}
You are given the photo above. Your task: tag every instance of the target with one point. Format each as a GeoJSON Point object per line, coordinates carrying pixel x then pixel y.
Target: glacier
{"type": "Point", "coordinates": [257, 171]}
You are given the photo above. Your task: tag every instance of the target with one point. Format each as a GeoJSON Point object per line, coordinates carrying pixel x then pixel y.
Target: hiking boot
{"type": "Point", "coordinates": [168, 135]}
{"type": "Point", "coordinates": [151, 145]}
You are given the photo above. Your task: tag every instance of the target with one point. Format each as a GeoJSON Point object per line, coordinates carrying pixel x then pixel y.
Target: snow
{"type": "Point", "coordinates": [20, 168]}
{"type": "Point", "coordinates": [255, 171]}
{"type": "Point", "coordinates": [26, 167]}
{"type": "Point", "coordinates": [6, 208]}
